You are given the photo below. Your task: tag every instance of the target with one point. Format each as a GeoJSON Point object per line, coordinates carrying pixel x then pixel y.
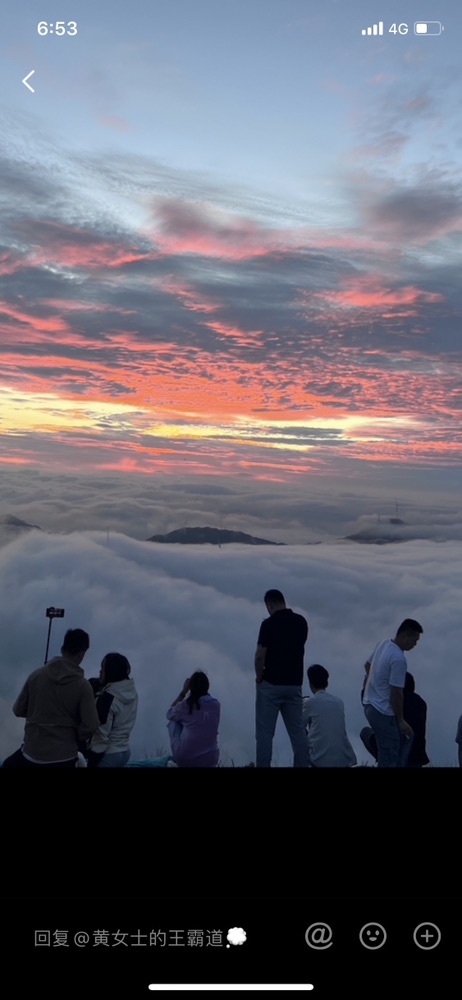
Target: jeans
{"type": "Point", "coordinates": [393, 748]}
{"type": "Point", "coordinates": [119, 759]}
{"type": "Point", "coordinates": [286, 699]}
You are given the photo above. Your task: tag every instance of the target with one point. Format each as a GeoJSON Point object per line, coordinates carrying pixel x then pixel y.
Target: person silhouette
{"type": "Point", "coordinates": [193, 720]}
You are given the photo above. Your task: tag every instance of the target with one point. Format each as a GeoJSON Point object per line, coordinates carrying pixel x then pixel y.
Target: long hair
{"type": "Point", "coordinates": [199, 685]}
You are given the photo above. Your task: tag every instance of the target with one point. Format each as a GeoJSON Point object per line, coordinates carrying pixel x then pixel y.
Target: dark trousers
{"type": "Point", "coordinates": [18, 759]}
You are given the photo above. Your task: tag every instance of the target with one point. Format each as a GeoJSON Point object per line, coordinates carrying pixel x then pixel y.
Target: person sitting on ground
{"type": "Point", "coordinates": [193, 724]}
{"type": "Point", "coordinates": [324, 717]}
{"type": "Point", "coordinates": [116, 704]}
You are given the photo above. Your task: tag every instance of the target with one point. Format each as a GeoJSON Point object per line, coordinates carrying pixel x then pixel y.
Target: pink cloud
{"type": "Point", "coordinates": [39, 323]}
{"type": "Point", "coordinates": [183, 227]}
{"type": "Point", "coordinates": [68, 246]}
{"type": "Point", "coordinates": [243, 337]}
{"type": "Point", "coordinates": [115, 123]}
{"type": "Point", "coordinates": [8, 265]}
{"type": "Point", "coordinates": [371, 293]}
{"type": "Point", "coordinates": [188, 296]}
{"type": "Point", "coordinates": [73, 305]}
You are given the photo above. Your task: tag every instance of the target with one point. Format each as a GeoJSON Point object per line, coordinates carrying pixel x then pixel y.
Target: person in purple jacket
{"type": "Point", "coordinates": [193, 724]}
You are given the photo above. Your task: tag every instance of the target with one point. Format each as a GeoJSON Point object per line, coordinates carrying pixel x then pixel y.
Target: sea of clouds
{"type": "Point", "coordinates": [176, 609]}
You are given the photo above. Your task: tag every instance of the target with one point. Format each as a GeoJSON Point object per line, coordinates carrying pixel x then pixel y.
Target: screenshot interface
{"type": "Point", "coordinates": [230, 361]}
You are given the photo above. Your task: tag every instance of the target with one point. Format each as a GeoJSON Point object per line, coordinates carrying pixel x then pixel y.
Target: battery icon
{"type": "Point", "coordinates": [428, 28]}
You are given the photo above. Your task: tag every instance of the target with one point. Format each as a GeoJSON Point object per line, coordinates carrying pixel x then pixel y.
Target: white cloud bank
{"type": "Point", "coordinates": [175, 609]}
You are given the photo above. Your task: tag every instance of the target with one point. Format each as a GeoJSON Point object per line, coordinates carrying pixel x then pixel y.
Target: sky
{"type": "Point", "coordinates": [172, 610]}
{"type": "Point", "coordinates": [230, 243]}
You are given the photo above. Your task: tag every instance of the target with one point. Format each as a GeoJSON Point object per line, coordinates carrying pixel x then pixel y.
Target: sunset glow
{"type": "Point", "coordinates": [209, 302]}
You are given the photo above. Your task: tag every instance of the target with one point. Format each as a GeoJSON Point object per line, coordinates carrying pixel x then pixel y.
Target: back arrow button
{"type": "Point", "coordinates": [26, 84]}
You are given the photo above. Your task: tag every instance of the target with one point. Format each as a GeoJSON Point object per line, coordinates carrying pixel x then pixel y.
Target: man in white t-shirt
{"type": "Point", "coordinates": [383, 694]}
{"type": "Point", "coordinates": [324, 717]}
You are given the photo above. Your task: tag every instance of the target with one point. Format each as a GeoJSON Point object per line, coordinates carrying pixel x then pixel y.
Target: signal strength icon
{"type": "Point", "coordinates": [377, 29]}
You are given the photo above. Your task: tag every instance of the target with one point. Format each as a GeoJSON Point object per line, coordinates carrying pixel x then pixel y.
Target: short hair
{"type": "Point", "coordinates": [318, 676]}
{"type": "Point", "coordinates": [274, 597]}
{"type": "Point", "coordinates": [116, 667]}
{"type": "Point", "coordinates": [75, 641]}
{"type": "Point", "coordinates": [409, 625]}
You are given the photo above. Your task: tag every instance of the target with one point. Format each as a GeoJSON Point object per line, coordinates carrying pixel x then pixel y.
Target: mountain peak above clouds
{"type": "Point", "coordinates": [10, 521]}
{"type": "Point", "coordinates": [12, 527]}
{"type": "Point", "coordinates": [210, 536]}
{"type": "Point", "coordinates": [386, 530]}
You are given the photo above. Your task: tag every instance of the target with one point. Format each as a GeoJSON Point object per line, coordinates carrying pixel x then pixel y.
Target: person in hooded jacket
{"type": "Point", "coordinates": [116, 705]}
{"type": "Point", "coordinates": [58, 705]}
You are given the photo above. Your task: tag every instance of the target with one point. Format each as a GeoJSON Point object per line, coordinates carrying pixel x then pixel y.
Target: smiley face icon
{"type": "Point", "coordinates": [373, 936]}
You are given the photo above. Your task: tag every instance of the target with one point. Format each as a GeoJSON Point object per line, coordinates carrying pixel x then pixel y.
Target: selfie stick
{"type": "Point", "coordinates": [52, 613]}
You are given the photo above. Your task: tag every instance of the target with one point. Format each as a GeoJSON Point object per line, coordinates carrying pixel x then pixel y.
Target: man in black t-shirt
{"type": "Point", "coordinates": [279, 677]}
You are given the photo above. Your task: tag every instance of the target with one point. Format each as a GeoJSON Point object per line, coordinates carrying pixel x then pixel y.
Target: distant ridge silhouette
{"type": "Point", "coordinates": [380, 533]}
{"type": "Point", "coordinates": [210, 536]}
{"type": "Point", "coordinates": [15, 523]}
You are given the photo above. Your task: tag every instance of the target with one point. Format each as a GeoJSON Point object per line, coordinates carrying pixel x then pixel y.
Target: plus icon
{"type": "Point", "coordinates": [427, 936]}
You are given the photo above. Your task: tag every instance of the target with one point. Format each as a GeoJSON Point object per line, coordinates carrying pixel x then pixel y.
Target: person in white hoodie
{"type": "Point", "coordinates": [116, 704]}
